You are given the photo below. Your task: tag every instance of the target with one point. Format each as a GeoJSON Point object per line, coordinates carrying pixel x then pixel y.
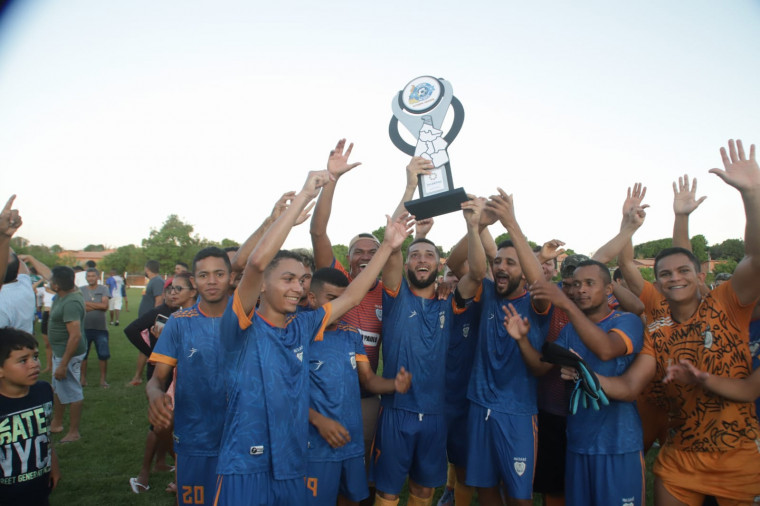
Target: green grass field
{"type": "Point", "coordinates": [96, 469]}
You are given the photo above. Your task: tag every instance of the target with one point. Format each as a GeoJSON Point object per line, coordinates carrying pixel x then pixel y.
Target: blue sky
{"type": "Point", "coordinates": [116, 114]}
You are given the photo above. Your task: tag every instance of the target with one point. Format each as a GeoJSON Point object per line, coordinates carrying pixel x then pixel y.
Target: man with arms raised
{"type": "Point", "coordinates": [263, 452]}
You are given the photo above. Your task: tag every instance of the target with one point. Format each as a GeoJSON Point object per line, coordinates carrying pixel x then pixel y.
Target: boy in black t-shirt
{"type": "Point", "coordinates": [28, 464]}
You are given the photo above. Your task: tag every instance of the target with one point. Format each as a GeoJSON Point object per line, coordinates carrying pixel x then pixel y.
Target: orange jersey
{"type": "Point", "coordinates": [367, 317]}
{"type": "Point", "coordinates": [715, 339]}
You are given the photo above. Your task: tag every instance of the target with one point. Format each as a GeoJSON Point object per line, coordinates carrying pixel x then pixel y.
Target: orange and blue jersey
{"type": "Point", "coordinates": [334, 391]}
{"type": "Point", "coordinates": [267, 417]}
{"type": "Point", "coordinates": [191, 342]}
{"type": "Point", "coordinates": [416, 334]}
{"type": "Point", "coordinates": [367, 318]}
{"type": "Point", "coordinates": [500, 380]}
{"type": "Point", "coordinates": [615, 428]}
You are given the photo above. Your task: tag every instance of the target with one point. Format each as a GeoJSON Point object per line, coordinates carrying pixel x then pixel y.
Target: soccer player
{"type": "Point", "coordinates": [411, 433]}
{"type": "Point", "coordinates": [190, 342]}
{"type": "Point", "coordinates": [711, 448]}
{"type": "Point", "coordinates": [336, 449]}
{"type": "Point", "coordinates": [264, 442]}
{"type": "Point", "coordinates": [604, 448]}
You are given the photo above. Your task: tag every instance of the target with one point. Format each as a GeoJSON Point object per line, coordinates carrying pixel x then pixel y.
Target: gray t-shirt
{"type": "Point", "coordinates": [95, 319]}
{"type": "Point", "coordinates": [154, 289]}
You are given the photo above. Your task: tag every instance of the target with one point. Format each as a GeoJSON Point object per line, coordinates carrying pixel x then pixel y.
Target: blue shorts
{"type": "Point", "coordinates": [325, 480]}
{"type": "Point", "coordinates": [411, 444]}
{"type": "Point", "coordinates": [600, 480]}
{"type": "Point", "coordinates": [100, 338]}
{"type": "Point", "coordinates": [259, 489]}
{"type": "Point", "coordinates": [196, 479]}
{"type": "Point", "coordinates": [501, 447]}
{"type": "Point", "coordinates": [456, 441]}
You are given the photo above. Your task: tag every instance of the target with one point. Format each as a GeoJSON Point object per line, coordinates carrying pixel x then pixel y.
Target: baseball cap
{"type": "Point", "coordinates": [570, 263]}
{"type": "Point", "coordinates": [359, 238]}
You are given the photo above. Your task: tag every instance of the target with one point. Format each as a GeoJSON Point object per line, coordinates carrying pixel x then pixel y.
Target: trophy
{"type": "Point", "coordinates": [421, 107]}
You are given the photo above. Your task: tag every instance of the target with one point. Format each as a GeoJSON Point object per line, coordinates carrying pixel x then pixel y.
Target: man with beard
{"type": "Point", "coordinates": [502, 391]}
{"type": "Point", "coordinates": [411, 430]}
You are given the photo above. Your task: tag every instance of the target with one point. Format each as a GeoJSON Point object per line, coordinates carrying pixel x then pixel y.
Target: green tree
{"type": "Point", "coordinates": [129, 258]}
{"type": "Point", "coordinates": [699, 247]}
{"type": "Point", "coordinates": [728, 266]}
{"type": "Point", "coordinates": [647, 273]}
{"type": "Point", "coordinates": [229, 243]}
{"type": "Point", "coordinates": [651, 248]}
{"type": "Point", "coordinates": [729, 249]}
{"type": "Point", "coordinates": [94, 247]}
{"type": "Point", "coordinates": [40, 252]}
{"type": "Point", "coordinates": [173, 242]}
{"type": "Point", "coordinates": [340, 252]}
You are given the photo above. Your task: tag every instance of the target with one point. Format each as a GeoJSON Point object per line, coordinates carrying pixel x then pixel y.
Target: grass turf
{"type": "Point", "coordinates": [96, 469]}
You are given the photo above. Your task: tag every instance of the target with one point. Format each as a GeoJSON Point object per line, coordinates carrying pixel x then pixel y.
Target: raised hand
{"type": "Point", "coordinates": [634, 197]}
{"type": "Point", "coordinates": [422, 228]}
{"type": "Point", "coordinates": [418, 166]}
{"type": "Point", "coordinates": [403, 381]}
{"type": "Point", "coordinates": [551, 249]}
{"type": "Point", "coordinates": [635, 217]}
{"type": "Point", "coordinates": [337, 162]}
{"type": "Point", "coordinates": [740, 172]}
{"type": "Point", "coordinates": [397, 230]}
{"type": "Point", "coordinates": [548, 291]}
{"type": "Point", "coordinates": [502, 207]}
{"type": "Point", "coordinates": [305, 214]}
{"type": "Point", "coordinates": [314, 181]}
{"type": "Point", "coordinates": [684, 198]}
{"type": "Point", "coordinates": [517, 326]}
{"type": "Point", "coordinates": [472, 209]}
{"type": "Point", "coordinates": [282, 204]}
{"type": "Point", "coordinates": [10, 220]}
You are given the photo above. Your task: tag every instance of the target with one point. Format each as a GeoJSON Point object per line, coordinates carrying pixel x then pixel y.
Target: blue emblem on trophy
{"type": "Point", "coordinates": [421, 107]}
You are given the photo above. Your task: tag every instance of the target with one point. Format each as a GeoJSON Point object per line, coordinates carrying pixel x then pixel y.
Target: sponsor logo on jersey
{"type": "Point", "coordinates": [413, 314]}
{"type": "Point", "coordinates": [370, 338]}
{"type": "Point", "coordinates": [316, 364]}
{"type": "Point", "coordinates": [193, 351]}
{"type": "Point", "coordinates": [256, 450]}
{"type": "Point", "coordinates": [491, 315]}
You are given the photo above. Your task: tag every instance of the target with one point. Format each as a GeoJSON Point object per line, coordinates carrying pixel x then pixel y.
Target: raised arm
{"type": "Point", "coordinates": [10, 221]}
{"type": "Point", "coordinates": [632, 209]}
{"type": "Point", "coordinates": [395, 233]}
{"type": "Point", "coordinates": [684, 202]}
{"type": "Point", "coordinates": [42, 269]}
{"type": "Point", "coordinates": [272, 240]}
{"type": "Point", "coordinates": [502, 206]}
{"type": "Point", "coordinates": [418, 166]}
{"type": "Point", "coordinates": [476, 256]}
{"type": "Point", "coordinates": [337, 165]}
{"type": "Point", "coordinates": [744, 174]}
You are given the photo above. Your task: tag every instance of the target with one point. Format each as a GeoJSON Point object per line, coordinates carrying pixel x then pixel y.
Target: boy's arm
{"type": "Point", "coordinates": [337, 165]}
{"type": "Point", "coordinates": [371, 382]}
{"type": "Point", "coordinates": [736, 389]}
{"type": "Point", "coordinates": [160, 405]}
{"type": "Point", "coordinates": [744, 174]}
{"type": "Point", "coordinates": [253, 275]}
{"type": "Point", "coordinates": [684, 202]}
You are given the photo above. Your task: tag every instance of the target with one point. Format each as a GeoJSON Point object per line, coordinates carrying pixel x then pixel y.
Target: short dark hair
{"type": "Point", "coordinates": [617, 275]}
{"type": "Point", "coordinates": [63, 276]}
{"type": "Point", "coordinates": [328, 276]}
{"type": "Point", "coordinates": [92, 269]}
{"type": "Point", "coordinates": [603, 269]}
{"type": "Point", "coordinates": [507, 243]}
{"type": "Point", "coordinates": [283, 254]}
{"type": "Point", "coordinates": [11, 273]}
{"type": "Point", "coordinates": [231, 248]}
{"type": "Point", "coordinates": [426, 241]}
{"type": "Point", "coordinates": [307, 259]}
{"type": "Point", "coordinates": [153, 266]}
{"type": "Point", "coordinates": [14, 339]}
{"type": "Point", "coordinates": [90, 264]}
{"type": "Point", "coordinates": [676, 251]}
{"type": "Point", "coordinates": [183, 264]}
{"type": "Point", "coordinates": [186, 276]}
{"type": "Point", "coordinates": [211, 251]}
{"type": "Point", "coordinates": [78, 268]}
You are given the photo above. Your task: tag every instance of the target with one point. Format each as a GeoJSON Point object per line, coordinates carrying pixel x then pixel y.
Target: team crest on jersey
{"type": "Point", "coordinates": [352, 356]}
{"type": "Point", "coordinates": [466, 331]}
{"type": "Point", "coordinates": [442, 318]}
{"type": "Point", "coordinates": [519, 465]}
{"type": "Point", "coordinates": [708, 339]}
{"type": "Point", "coordinates": [379, 312]}
{"type": "Point", "coordinates": [299, 353]}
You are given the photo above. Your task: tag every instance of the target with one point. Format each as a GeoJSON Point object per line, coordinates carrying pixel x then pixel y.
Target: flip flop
{"type": "Point", "coordinates": [138, 487]}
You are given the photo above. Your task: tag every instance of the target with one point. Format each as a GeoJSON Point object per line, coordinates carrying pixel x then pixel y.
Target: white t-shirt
{"type": "Point", "coordinates": [18, 304]}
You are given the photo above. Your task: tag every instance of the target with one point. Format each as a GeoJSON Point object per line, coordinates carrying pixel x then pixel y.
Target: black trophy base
{"type": "Point", "coordinates": [436, 205]}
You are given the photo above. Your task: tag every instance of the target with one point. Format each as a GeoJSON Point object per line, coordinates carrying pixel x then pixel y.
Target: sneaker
{"type": "Point", "coordinates": [447, 499]}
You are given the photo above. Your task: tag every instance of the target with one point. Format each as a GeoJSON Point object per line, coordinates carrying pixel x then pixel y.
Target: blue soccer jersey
{"type": "Point", "coordinates": [334, 391]}
{"type": "Point", "coordinates": [615, 428]}
{"type": "Point", "coordinates": [267, 418]}
{"type": "Point", "coordinates": [191, 342]}
{"type": "Point", "coordinates": [459, 359]}
{"type": "Point", "coordinates": [500, 380]}
{"type": "Point", "coordinates": [416, 335]}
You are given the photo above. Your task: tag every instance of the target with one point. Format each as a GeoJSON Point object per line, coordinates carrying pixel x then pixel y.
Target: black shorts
{"type": "Point", "coordinates": [552, 446]}
{"type": "Point", "coordinates": [44, 324]}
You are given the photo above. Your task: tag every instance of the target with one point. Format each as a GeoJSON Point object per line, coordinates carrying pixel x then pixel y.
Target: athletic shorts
{"type": "Point", "coordinates": [550, 460]}
{"type": "Point", "coordinates": [114, 303]}
{"type": "Point", "coordinates": [602, 480]}
{"type": "Point", "coordinates": [501, 447]}
{"type": "Point", "coordinates": [733, 477]}
{"type": "Point", "coordinates": [325, 480]}
{"type": "Point", "coordinates": [456, 440]}
{"type": "Point", "coordinates": [45, 320]}
{"type": "Point", "coordinates": [259, 489]}
{"type": "Point", "coordinates": [69, 389]}
{"type": "Point", "coordinates": [100, 338]}
{"type": "Point", "coordinates": [370, 410]}
{"type": "Point", "coordinates": [196, 479]}
{"type": "Point", "coordinates": [408, 444]}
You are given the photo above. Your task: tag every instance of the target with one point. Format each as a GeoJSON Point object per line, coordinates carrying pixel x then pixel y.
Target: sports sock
{"type": "Point", "coordinates": [463, 494]}
{"type": "Point", "coordinates": [418, 501]}
{"type": "Point", "coordinates": [379, 501]}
